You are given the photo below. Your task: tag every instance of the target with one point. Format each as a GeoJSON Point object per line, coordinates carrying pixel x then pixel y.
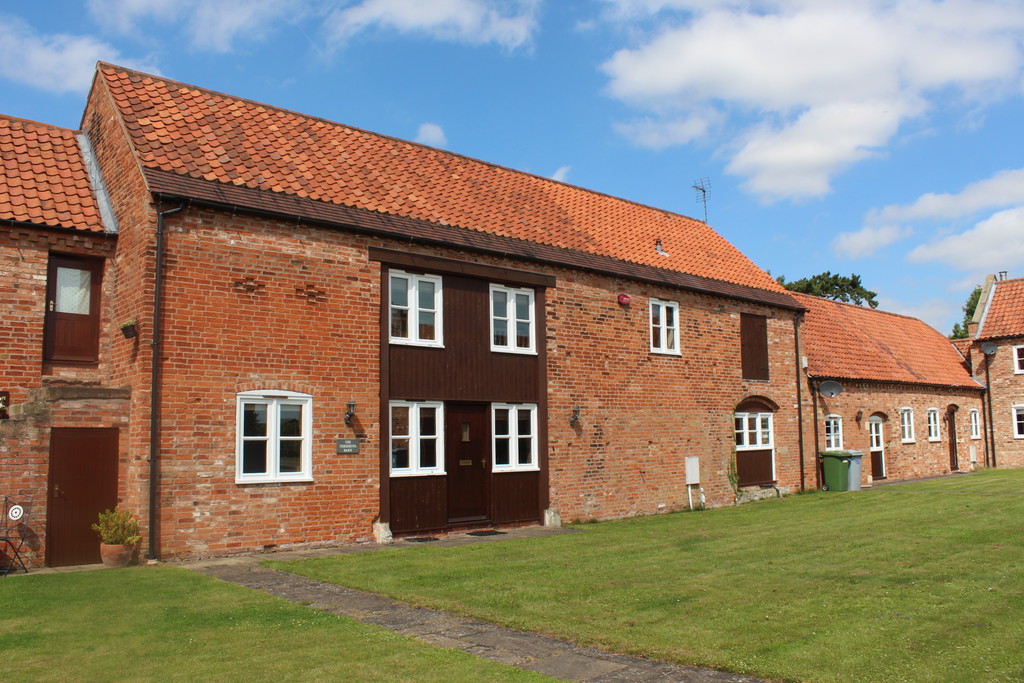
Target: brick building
{"type": "Point", "coordinates": [995, 350]}
{"type": "Point", "coordinates": [339, 335]}
{"type": "Point", "coordinates": [907, 400]}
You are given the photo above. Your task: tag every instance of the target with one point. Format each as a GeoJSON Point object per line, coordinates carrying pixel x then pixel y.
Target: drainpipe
{"type": "Point", "coordinates": [154, 383]}
{"type": "Point", "coordinates": [991, 425]}
{"type": "Point", "coordinates": [799, 397]}
{"type": "Point", "coordinates": [817, 448]}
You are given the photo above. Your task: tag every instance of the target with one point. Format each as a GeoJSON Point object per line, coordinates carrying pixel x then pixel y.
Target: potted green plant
{"type": "Point", "coordinates": [119, 532]}
{"type": "Point", "coordinates": [129, 328]}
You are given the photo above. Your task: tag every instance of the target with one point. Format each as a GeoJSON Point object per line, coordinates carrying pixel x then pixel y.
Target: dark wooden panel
{"type": "Point", "coordinates": [754, 346]}
{"type": "Point", "coordinates": [465, 369]}
{"type": "Point", "coordinates": [83, 483]}
{"type": "Point", "coordinates": [754, 467]}
{"type": "Point", "coordinates": [516, 497]}
{"type": "Point", "coordinates": [467, 443]}
{"type": "Point", "coordinates": [877, 465]}
{"type": "Point", "coordinates": [418, 504]}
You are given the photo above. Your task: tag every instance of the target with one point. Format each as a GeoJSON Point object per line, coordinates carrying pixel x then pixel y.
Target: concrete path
{"type": "Point", "coordinates": [559, 659]}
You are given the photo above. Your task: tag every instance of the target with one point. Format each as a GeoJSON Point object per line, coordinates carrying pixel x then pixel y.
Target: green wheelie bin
{"type": "Point", "coordinates": [835, 466]}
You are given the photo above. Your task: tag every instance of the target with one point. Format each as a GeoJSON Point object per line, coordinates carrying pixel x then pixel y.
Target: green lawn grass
{"type": "Point", "coordinates": [916, 582]}
{"type": "Point", "coordinates": [164, 623]}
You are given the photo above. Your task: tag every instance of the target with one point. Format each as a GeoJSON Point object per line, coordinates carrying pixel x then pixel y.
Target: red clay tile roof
{"type": "Point", "coordinates": [846, 341]}
{"type": "Point", "coordinates": [180, 129]}
{"type": "Point", "coordinates": [43, 179]}
{"type": "Point", "coordinates": [963, 346]}
{"type": "Point", "coordinates": [1005, 314]}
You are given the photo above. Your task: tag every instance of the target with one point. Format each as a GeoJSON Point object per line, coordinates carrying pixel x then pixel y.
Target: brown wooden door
{"type": "Point", "coordinates": [83, 483]}
{"type": "Point", "coordinates": [467, 461]}
{"type": "Point", "coordinates": [73, 309]}
{"type": "Point", "coordinates": [954, 456]}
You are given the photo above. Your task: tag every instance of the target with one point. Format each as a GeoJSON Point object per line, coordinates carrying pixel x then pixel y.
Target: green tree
{"type": "Point", "coordinates": [960, 330]}
{"type": "Point", "coordinates": [837, 287]}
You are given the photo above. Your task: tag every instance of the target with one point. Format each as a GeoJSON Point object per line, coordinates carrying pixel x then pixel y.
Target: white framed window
{"type": "Point", "coordinates": [513, 327]}
{"type": "Point", "coordinates": [416, 438]}
{"type": "Point", "coordinates": [875, 440]}
{"type": "Point", "coordinates": [664, 327]}
{"type": "Point", "coordinates": [514, 437]}
{"type": "Point", "coordinates": [975, 419]}
{"type": "Point", "coordinates": [833, 433]}
{"type": "Point", "coordinates": [753, 431]}
{"type": "Point", "coordinates": [933, 424]}
{"type": "Point", "coordinates": [416, 309]}
{"type": "Point", "coordinates": [1018, 360]}
{"type": "Point", "coordinates": [907, 425]}
{"type": "Point", "coordinates": [273, 437]}
{"type": "Point", "coordinates": [1018, 422]}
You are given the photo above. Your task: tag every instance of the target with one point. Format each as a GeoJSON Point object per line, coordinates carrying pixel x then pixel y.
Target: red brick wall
{"type": "Point", "coordinates": [1007, 391]}
{"type": "Point", "coordinates": [922, 458]}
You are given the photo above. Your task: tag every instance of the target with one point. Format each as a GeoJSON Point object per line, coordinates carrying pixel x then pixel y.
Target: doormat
{"type": "Point", "coordinates": [486, 532]}
{"type": "Point", "coordinates": [421, 539]}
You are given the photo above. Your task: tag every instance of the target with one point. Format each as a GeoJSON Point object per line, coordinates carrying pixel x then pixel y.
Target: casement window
{"type": "Point", "coordinates": [1018, 360]}
{"type": "Point", "coordinates": [72, 319]}
{"type": "Point", "coordinates": [876, 444]}
{"type": "Point", "coordinates": [513, 327]}
{"type": "Point", "coordinates": [416, 441]}
{"type": "Point", "coordinates": [875, 434]}
{"type": "Point", "coordinates": [907, 425]}
{"type": "Point", "coordinates": [753, 431]}
{"type": "Point", "coordinates": [933, 424]}
{"type": "Point", "coordinates": [274, 437]}
{"type": "Point", "coordinates": [416, 309]}
{"type": "Point", "coordinates": [664, 326]}
{"type": "Point", "coordinates": [1018, 422]}
{"type": "Point", "coordinates": [833, 433]}
{"type": "Point", "coordinates": [754, 346]}
{"type": "Point", "coordinates": [514, 437]}
{"type": "Point", "coordinates": [975, 419]}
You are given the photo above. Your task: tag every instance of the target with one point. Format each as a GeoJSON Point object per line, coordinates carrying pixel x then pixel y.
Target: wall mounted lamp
{"type": "Point", "coordinates": [351, 412]}
{"type": "Point", "coordinates": [574, 419]}
{"type": "Point", "coordinates": [860, 416]}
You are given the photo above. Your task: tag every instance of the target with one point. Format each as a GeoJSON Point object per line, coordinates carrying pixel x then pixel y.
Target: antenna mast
{"type": "Point", "coordinates": [702, 186]}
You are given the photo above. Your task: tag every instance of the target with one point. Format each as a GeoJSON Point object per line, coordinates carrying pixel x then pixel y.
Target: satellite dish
{"type": "Point", "coordinates": [830, 388]}
{"type": "Point", "coordinates": [988, 348]}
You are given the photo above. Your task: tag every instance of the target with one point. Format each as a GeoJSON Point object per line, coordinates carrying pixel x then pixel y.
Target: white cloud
{"type": "Point", "coordinates": [827, 84]}
{"type": "Point", "coordinates": [431, 134]}
{"type": "Point", "coordinates": [939, 313]}
{"type": "Point", "coordinates": [562, 174]}
{"type": "Point", "coordinates": [868, 240]}
{"type": "Point", "coordinates": [1005, 188]}
{"type": "Point", "coordinates": [994, 244]}
{"type": "Point", "coordinates": [661, 133]}
{"type": "Point", "coordinates": [214, 26]}
{"type": "Point", "coordinates": [509, 23]}
{"type": "Point", "coordinates": [57, 63]}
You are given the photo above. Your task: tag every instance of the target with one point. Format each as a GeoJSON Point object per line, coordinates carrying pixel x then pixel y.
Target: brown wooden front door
{"type": "Point", "coordinates": [83, 483]}
{"type": "Point", "coordinates": [954, 456]}
{"type": "Point", "coordinates": [467, 461]}
{"type": "Point", "coordinates": [73, 309]}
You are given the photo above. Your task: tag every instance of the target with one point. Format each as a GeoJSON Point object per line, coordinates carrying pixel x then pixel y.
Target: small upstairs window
{"type": "Point", "coordinates": [664, 327]}
{"type": "Point", "coordinates": [512, 320]}
{"type": "Point", "coordinates": [415, 309]}
{"type": "Point", "coordinates": [1018, 360]}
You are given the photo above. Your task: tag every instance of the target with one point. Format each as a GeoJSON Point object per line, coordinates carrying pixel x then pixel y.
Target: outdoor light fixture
{"type": "Point", "coordinates": [860, 415]}
{"type": "Point", "coordinates": [575, 417]}
{"type": "Point", "coordinates": [351, 412]}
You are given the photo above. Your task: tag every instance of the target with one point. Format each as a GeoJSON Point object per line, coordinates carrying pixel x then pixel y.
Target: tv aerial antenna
{"type": "Point", "coordinates": [702, 187]}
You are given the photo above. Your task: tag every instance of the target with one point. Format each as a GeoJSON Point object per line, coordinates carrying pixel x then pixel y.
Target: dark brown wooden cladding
{"type": "Point", "coordinates": [754, 346]}
{"type": "Point", "coordinates": [754, 467]}
{"type": "Point", "coordinates": [516, 497]}
{"type": "Point", "coordinates": [418, 504]}
{"type": "Point", "coordinates": [466, 369]}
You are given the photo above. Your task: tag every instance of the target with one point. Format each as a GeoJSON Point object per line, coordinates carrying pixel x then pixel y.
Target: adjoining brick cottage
{"type": "Point", "coordinates": [995, 351]}
{"type": "Point", "coordinates": [908, 401]}
{"type": "Point", "coordinates": [359, 333]}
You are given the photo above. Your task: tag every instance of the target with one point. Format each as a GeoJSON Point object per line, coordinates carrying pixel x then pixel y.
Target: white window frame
{"type": "Point", "coordinates": [833, 432]}
{"type": "Point", "coordinates": [413, 283]}
{"type": "Point", "coordinates": [750, 436]}
{"type": "Point", "coordinates": [513, 438]}
{"type": "Point", "coordinates": [934, 433]}
{"type": "Point", "coordinates": [907, 425]}
{"type": "Point", "coordinates": [512, 322]}
{"type": "Point", "coordinates": [274, 400]}
{"type": "Point", "coordinates": [1018, 360]}
{"type": "Point", "coordinates": [876, 442]}
{"type": "Point", "coordinates": [416, 468]}
{"type": "Point", "coordinates": [1018, 421]}
{"type": "Point", "coordinates": [669, 334]}
{"type": "Point", "coordinates": [975, 422]}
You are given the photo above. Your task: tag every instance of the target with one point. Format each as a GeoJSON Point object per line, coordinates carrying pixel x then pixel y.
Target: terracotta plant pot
{"type": "Point", "coordinates": [115, 556]}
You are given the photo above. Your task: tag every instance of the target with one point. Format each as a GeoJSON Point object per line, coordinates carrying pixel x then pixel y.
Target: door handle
{"type": "Point", "coordinates": [51, 306]}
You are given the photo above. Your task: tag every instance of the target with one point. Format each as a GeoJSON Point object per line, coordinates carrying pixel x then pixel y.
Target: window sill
{"type": "Point", "coordinates": [514, 352]}
{"type": "Point", "coordinates": [931, 440]}
{"type": "Point", "coordinates": [425, 345]}
{"type": "Point", "coordinates": [408, 475]}
{"type": "Point", "coordinates": [513, 470]}
{"type": "Point", "coordinates": [910, 441]}
{"type": "Point", "coordinates": [659, 352]}
{"type": "Point", "coordinates": [247, 482]}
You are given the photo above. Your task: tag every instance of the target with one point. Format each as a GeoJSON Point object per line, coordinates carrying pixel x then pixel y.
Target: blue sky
{"type": "Point", "coordinates": [879, 137]}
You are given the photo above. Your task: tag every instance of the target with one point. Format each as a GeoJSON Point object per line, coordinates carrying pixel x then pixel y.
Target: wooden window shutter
{"type": "Point", "coordinates": [754, 346]}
